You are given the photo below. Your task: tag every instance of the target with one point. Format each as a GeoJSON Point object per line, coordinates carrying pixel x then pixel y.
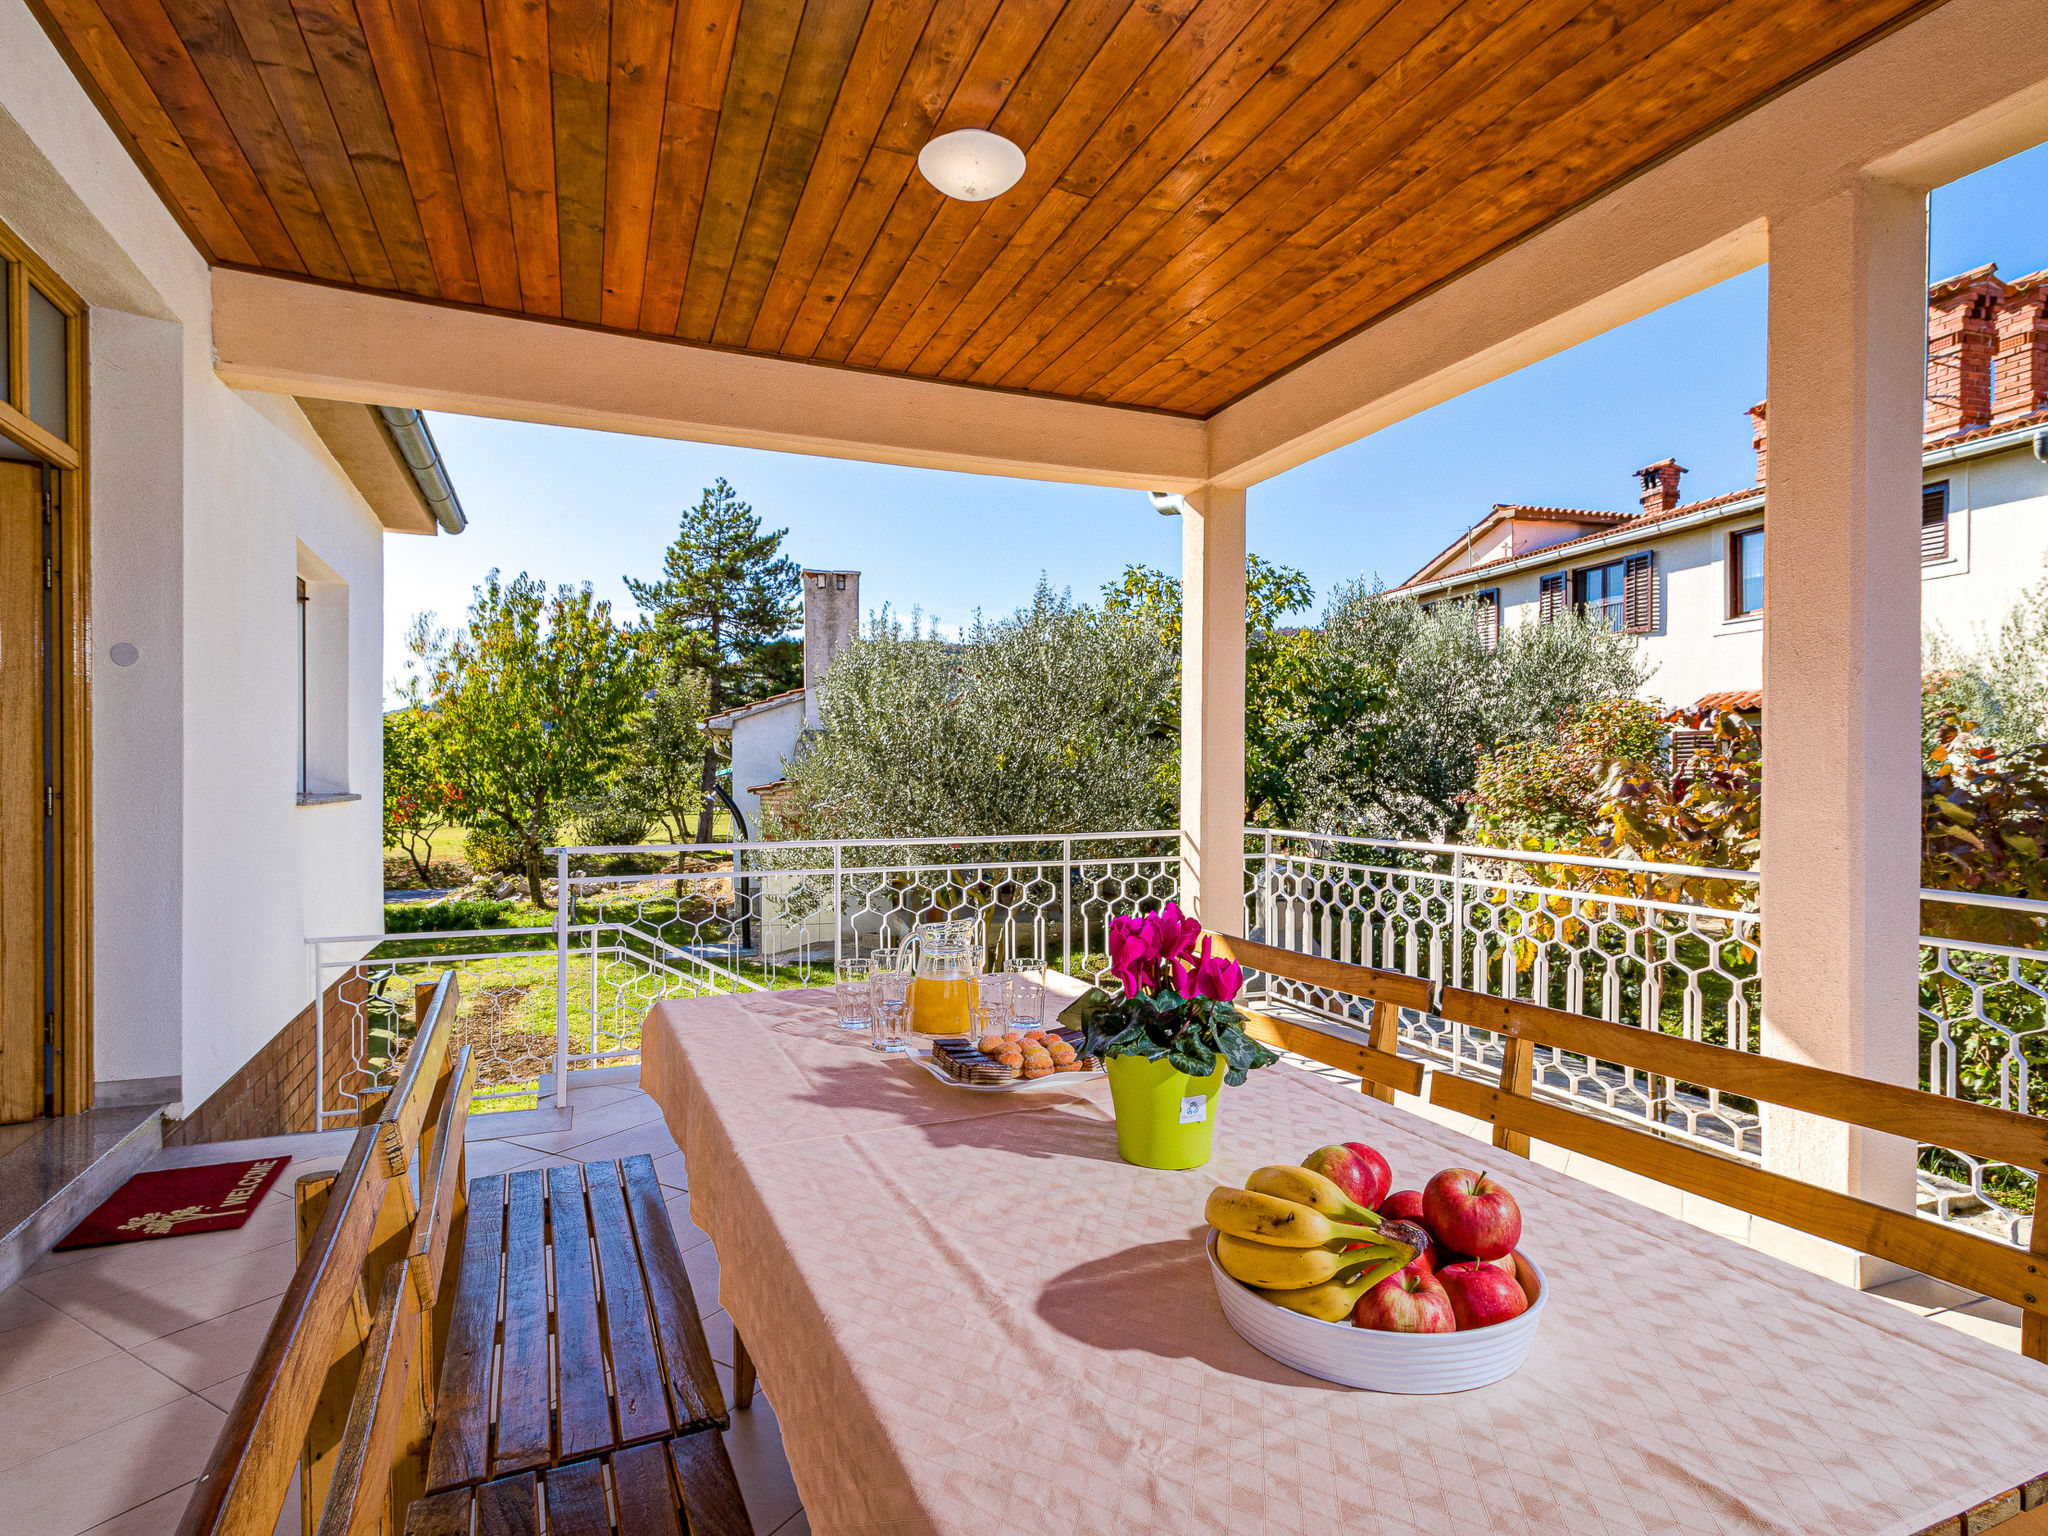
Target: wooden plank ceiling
{"type": "Point", "coordinates": [1216, 189]}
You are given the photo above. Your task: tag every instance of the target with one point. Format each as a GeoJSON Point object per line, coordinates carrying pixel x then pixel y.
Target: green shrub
{"type": "Point", "coordinates": [443, 916]}
{"type": "Point", "coordinates": [608, 824]}
{"type": "Point", "coordinates": [491, 851]}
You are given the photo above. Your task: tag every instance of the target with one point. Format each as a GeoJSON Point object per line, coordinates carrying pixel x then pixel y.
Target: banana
{"type": "Point", "coordinates": [1333, 1300]}
{"type": "Point", "coordinates": [1304, 1186]}
{"type": "Point", "coordinates": [1267, 1268]}
{"type": "Point", "coordinates": [1271, 1219]}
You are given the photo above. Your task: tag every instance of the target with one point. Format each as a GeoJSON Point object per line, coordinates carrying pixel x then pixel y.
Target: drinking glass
{"type": "Point", "coordinates": [890, 1029]}
{"type": "Point", "coordinates": [1027, 991]}
{"type": "Point", "coordinates": [992, 1015]}
{"type": "Point", "coordinates": [854, 993]}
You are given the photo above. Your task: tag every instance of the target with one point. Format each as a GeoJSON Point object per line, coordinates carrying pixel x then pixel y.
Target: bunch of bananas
{"type": "Point", "coordinates": [1301, 1242]}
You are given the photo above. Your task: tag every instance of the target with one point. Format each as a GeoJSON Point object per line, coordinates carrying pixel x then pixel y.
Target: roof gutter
{"type": "Point", "coordinates": [408, 429]}
{"type": "Point", "coordinates": [1997, 443]}
{"type": "Point", "coordinates": [2002, 442]}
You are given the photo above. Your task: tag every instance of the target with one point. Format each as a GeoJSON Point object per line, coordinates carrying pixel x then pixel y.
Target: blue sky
{"type": "Point", "coordinates": [580, 506]}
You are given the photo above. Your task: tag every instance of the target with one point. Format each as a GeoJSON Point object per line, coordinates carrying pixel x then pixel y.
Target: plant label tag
{"type": "Point", "coordinates": [1194, 1110]}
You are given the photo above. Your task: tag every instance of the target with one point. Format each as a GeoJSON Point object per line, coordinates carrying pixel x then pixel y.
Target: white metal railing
{"type": "Point", "coordinates": [1673, 947]}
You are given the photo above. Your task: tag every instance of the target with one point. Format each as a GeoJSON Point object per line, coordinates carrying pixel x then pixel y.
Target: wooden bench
{"type": "Point", "coordinates": [660, 1488]}
{"type": "Point", "coordinates": [1381, 1071]}
{"type": "Point", "coordinates": [600, 1345]}
{"type": "Point", "coordinates": [360, 1371]}
{"type": "Point", "coordinates": [1961, 1257]}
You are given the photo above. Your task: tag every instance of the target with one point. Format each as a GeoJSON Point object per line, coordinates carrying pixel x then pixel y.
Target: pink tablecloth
{"type": "Point", "coordinates": [971, 1317]}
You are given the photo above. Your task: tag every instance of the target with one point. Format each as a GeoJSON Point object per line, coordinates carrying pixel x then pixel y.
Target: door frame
{"type": "Point", "coordinates": [69, 1087]}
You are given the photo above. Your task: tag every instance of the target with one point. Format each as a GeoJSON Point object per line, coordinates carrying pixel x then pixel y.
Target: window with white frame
{"type": "Point", "coordinates": [322, 612]}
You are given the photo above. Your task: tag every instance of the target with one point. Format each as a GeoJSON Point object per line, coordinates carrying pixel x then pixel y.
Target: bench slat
{"type": "Point", "coordinates": [643, 1405]}
{"type": "Point", "coordinates": [508, 1508]}
{"type": "Point", "coordinates": [440, 1181]}
{"type": "Point", "coordinates": [360, 1493]}
{"type": "Point", "coordinates": [524, 1438]}
{"type": "Point", "coordinates": [462, 1426]}
{"type": "Point", "coordinates": [646, 1499]}
{"type": "Point", "coordinates": [696, 1399]}
{"type": "Point", "coordinates": [585, 1408]}
{"type": "Point", "coordinates": [575, 1499]}
{"type": "Point", "coordinates": [711, 1490]}
{"type": "Point", "coordinates": [440, 1514]}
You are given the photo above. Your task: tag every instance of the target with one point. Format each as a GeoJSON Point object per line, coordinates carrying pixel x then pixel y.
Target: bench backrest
{"type": "Point", "coordinates": [1381, 1071]}
{"type": "Point", "coordinates": [1949, 1253]}
{"type": "Point", "coordinates": [327, 1400]}
{"type": "Point", "coordinates": [1961, 1257]}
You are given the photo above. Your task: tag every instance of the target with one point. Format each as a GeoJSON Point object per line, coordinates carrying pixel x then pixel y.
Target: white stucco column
{"type": "Point", "coordinates": [1212, 707]}
{"type": "Point", "coordinates": [1841, 739]}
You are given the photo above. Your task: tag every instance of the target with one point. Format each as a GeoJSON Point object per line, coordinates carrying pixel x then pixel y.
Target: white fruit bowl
{"type": "Point", "coordinates": [1384, 1362]}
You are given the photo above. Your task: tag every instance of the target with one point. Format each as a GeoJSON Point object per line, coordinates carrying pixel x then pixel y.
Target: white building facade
{"type": "Point", "coordinates": [217, 658]}
{"type": "Point", "coordinates": [1687, 578]}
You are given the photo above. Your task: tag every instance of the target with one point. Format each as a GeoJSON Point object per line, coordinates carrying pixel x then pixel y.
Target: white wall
{"type": "Point", "coordinates": [762, 743]}
{"type": "Point", "coordinates": [209, 876]}
{"type": "Point", "coordinates": [1998, 544]}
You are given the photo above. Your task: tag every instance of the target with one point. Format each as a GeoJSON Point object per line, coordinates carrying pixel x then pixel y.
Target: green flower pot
{"type": "Point", "coordinates": [1164, 1118]}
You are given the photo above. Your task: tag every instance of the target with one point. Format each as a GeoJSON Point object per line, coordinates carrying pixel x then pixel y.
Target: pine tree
{"type": "Point", "coordinates": [724, 608]}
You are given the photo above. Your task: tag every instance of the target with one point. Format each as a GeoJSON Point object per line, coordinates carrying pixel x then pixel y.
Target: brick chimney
{"type": "Point", "coordinates": [1759, 436]}
{"type": "Point", "coordinates": [1660, 485]}
{"type": "Point", "coordinates": [2022, 377]}
{"type": "Point", "coordinates": [1962, 334]}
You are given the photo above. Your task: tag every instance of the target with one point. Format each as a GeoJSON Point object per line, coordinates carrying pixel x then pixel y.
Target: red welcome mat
{"type": "Point", "coordinates": [176, 1201]}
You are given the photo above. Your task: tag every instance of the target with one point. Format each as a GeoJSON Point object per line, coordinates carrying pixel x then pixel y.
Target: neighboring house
{"type": "Point", "coordinates": [766, 734]}
{"type": "Point", "coordinates": [209, 664]}
{"type": "Point", "coordinates": [1687, 577]}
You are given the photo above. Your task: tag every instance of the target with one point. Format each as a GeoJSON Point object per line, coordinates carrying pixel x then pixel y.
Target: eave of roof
{"type": "Point", "coordinates": [724, 722]}
{"type": "Point", "coordinates": [1641, 526]}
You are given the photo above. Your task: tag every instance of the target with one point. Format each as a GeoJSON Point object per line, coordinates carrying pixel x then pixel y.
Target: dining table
{"type": "Point", "coordinates": [971, 1316]}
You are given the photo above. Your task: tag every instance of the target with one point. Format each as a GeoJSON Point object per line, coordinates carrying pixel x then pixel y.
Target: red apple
{"type": "Point", "coordinates": [1469, 1213]}
{"type": "Point", "coordinates": [1416, 1235]}
{"type": "Point", "coordinates": [1480, 1294]}
{"type": "Point", "coordinates": [1402, 1205]}
{"type": "Point", "coordinates": [1405, 1303]}
{"type": "Point", "coordinates": [1355, 1168]}
{"type": "Point", "coordinates": [1445, 1258]}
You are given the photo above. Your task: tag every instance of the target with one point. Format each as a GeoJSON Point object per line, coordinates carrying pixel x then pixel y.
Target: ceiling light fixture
{"type": "Point", "coordinates": [971, 164]}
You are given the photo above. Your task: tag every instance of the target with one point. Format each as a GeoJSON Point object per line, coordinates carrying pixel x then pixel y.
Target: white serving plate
{"type": "Point", "coordinates": [1021, 1085]}
{"type": "Point", "coordinates": [1413, 1363]}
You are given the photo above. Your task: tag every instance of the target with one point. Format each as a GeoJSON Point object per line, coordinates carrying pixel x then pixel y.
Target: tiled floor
{"type": "Point", "coordinates": [118, 1365]}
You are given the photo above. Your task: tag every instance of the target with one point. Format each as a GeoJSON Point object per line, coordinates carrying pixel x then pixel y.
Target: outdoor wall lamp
{"type": "Point", "coordinates": [971, 164]}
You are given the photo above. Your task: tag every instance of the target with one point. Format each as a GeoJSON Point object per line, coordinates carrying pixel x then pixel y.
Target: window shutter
{"type": "Point", "coordinates": [1639, 594]}
{"type": "Point", "coordinates": [1685, 746]}
{"type": "Point", "coordinates": [1550, 599]}
{"type": "Point", "coordinates": [1486, 618]}
{"type": "Point", "coordinates": [1934, 522]}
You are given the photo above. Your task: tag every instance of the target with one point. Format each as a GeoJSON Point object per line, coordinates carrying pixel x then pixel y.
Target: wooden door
{"type": "Point", "coordinates": [24, 669]}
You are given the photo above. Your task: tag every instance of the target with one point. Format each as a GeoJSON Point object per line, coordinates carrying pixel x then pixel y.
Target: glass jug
{"type": "Point", "coordinates": [948, 959]}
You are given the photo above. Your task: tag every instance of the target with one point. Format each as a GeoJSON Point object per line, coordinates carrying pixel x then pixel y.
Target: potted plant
{"type": "Point", "coordinates": [1170, 1041]}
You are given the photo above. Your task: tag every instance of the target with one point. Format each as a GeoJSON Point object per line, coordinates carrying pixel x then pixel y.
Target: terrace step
{"type": "Point", "coordinates": [55, 1172]}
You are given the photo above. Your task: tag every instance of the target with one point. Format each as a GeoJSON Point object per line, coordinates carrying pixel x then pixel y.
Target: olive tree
{"type": "Point", "coordinates": [1438, 697]}
{"type": "Point", "coordinates": [1052, 720]}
